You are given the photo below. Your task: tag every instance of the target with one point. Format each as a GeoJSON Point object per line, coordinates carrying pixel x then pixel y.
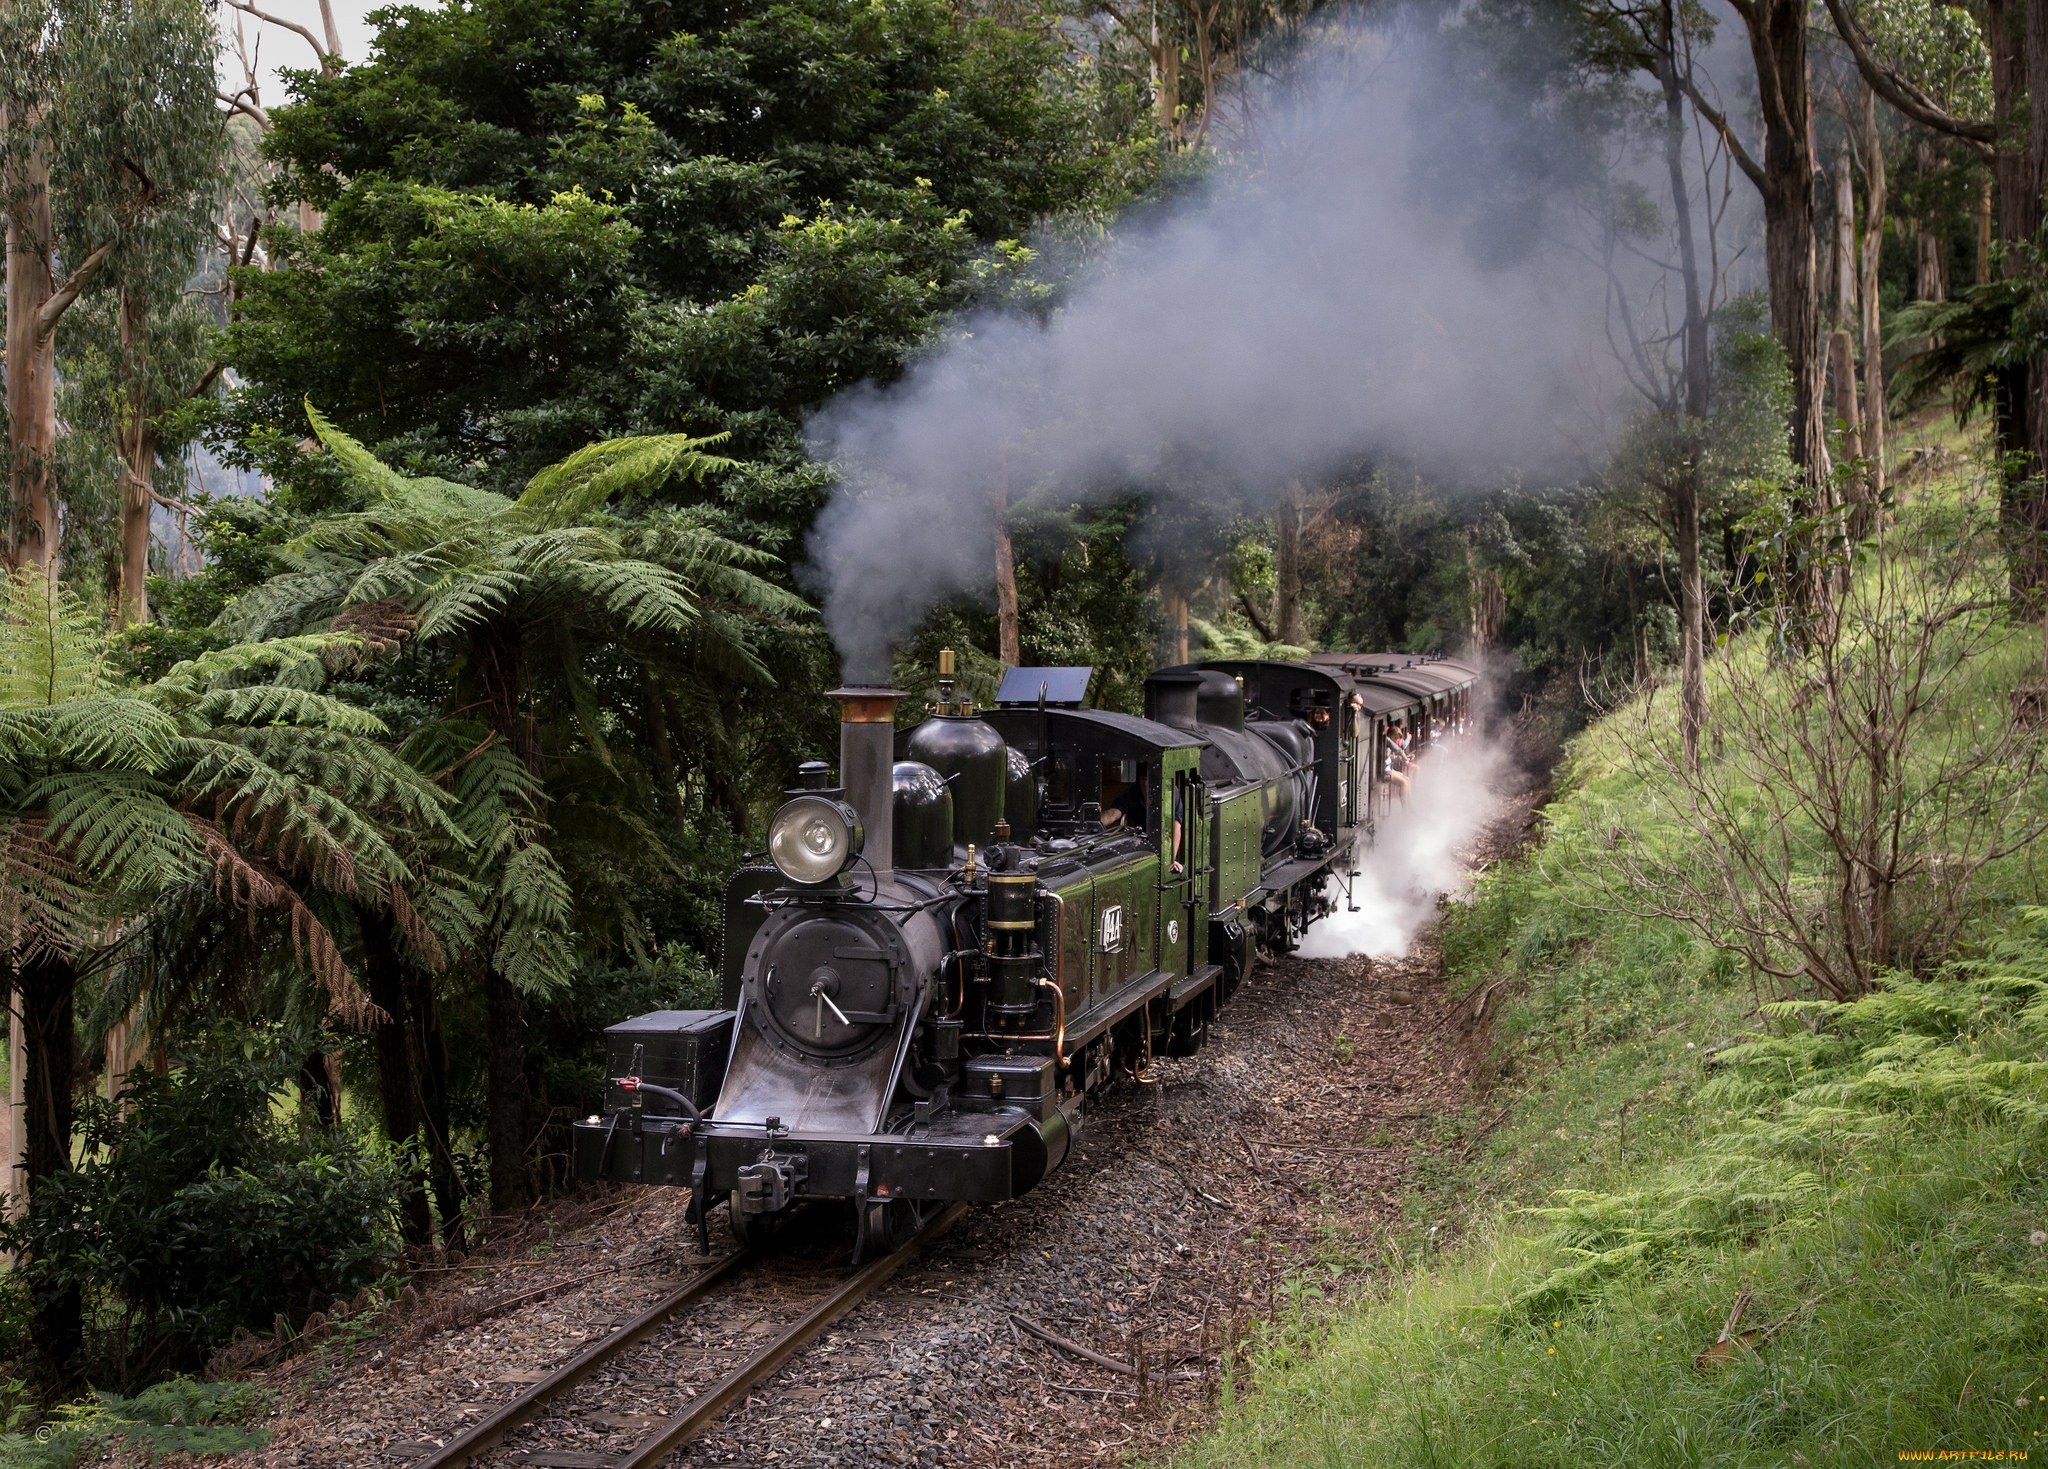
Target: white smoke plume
{"type": "Point", "coordinates": [1371, 290]}
{"type": "Point", "coordinates": [1418, 857]}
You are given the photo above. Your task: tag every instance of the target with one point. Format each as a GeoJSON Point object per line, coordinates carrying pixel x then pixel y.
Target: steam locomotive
{"type": "Point", "coordinates": [993, 915]}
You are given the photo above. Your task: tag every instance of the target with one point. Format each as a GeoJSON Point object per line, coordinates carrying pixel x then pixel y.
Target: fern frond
{"type": "Point", "coordinates": [116, 825]}
{"type": "Point", "coordinates": [248, 885]}
{"type": "Point", "coordinates": [598, 473]}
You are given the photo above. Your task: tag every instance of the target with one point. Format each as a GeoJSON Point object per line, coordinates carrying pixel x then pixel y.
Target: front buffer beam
{"type": "Point", "coordinates": [984, 1158]}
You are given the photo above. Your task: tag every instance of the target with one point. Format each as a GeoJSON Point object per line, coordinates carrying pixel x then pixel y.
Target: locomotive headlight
{"type": "Point", "coordinates": [814, 838]}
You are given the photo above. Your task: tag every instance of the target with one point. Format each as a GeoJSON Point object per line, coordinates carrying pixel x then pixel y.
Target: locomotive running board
{"type": "Point", "coordinates": [1186, 991]}
{"type": "Point", "coordinates": [1139, 991]}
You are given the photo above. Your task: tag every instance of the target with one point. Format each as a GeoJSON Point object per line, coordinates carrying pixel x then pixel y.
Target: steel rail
{"type": "Point", "coordinates": [705, 1410]}
{"type": "Point", "coordinates": [485, 1435]}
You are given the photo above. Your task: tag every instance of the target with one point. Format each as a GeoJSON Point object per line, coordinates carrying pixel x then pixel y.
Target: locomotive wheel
{"type": "Point", "coordinates": [885, 1225]}
{"type": "Point", "coordinates": [754, 1229]}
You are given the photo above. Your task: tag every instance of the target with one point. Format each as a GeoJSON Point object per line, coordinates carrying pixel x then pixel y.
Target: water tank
{"type": "Point", "coordinates": [975, 763]}
{"type": "Point", "coordinates": [1020, 796]}
{"type": "Point", "coordinates": [924, 816]}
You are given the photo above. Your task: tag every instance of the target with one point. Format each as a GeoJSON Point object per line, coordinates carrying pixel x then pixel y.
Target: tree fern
{"type": "Point", "coordinates": [225, 775]}
{"type": "Point", "coordinates": [546, 573]}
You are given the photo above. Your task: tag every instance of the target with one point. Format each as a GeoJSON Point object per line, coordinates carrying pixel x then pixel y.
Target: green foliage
{"type": "Point", "coordinates": [1878, 1208]}
{"type": "Point", "coordinates": [550, 224]}
{"type": "Point", "coordinates": [1938, 47]}
{"type": "Point", "coordinates": [1083, 602]}
{"type": "Point", "coordinates": [558, 577]}
{"type": "Point", "coordinates": [229, 774]}
{"type": "Point", "coordinates": [176, 1416]}
{"type": "Point", "coordinates": [1237, 642]}
{"type": "Point", "coordinates": [195, 1212]}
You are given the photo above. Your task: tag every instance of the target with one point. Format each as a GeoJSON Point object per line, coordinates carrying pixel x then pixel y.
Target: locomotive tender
{"type": "Point", "coordinates": [991, 917]}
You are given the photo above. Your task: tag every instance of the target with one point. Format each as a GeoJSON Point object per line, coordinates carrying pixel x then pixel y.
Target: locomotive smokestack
{"type": "Point", "coordinates": [867, 765]}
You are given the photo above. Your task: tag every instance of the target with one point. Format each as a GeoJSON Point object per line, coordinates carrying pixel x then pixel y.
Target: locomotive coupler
{"type": "Point", "coordinates": [699, 1211]}
{"type": "Point", "coordinates": [769, 1184]}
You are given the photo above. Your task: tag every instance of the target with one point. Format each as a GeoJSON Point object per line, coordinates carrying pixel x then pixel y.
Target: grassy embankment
{"type": "Point", "coordinates": [1877, 1184]}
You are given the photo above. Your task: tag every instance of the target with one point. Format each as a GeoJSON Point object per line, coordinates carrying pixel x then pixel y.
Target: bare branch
{"type": "Point", "coordinates": [1719, 122]}
{"type": "Point", "coordinates": [327, 58]}
{"type": "Point", "coordinates": [244, 103]}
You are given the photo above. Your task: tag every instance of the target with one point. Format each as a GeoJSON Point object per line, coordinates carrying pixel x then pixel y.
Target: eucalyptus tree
{"type": "Point", "coordinates": [228, 773]}
{"type": "Point", "coordinates": [522, 592]}
{"type": "Point", "coordinates": [108, 153]}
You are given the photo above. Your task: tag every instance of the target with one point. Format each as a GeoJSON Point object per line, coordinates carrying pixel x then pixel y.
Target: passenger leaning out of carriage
{"type": "Point", "coordinates": [1400, 759]}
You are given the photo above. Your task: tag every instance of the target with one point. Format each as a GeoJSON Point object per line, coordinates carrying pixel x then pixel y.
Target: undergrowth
{"type": "Point", "coordinates": [1871, 1175]}
{"type": "Point", "coordinates": [1867, 1180]}
{"type": "Point", "coordinates": [175, 1416]}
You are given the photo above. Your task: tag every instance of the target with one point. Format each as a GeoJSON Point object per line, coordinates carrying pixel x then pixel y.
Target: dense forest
{"type": "Point", "coordinates": [415, 575]}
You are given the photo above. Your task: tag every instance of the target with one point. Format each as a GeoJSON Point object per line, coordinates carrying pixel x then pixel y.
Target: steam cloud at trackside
{"type": "Point", "coordinates": [1358, 295]}
{"type": "Point", "coordinates": [1417, 856]}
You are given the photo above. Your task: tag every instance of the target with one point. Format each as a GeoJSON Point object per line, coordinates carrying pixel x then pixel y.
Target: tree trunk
{"type": "Point", "coordinates": [1166, 94]}
{"type": "Point", "coordinates": [2018, 212]}
{"type": "Point", "coordinates": [2034, 516]}
{"type": "Point", "coordinates": [500, 652]}
{"type": "Point", "coordinates": [1177, 624]}
{"type": "Point", "coordinates": [31, 368]}
{"type": "Point", "coordinates": [1287, 584]}
{"type": "Point", "coordinates": [1009, 642]}
{"type": "Point", "coordinates": [505, 1040]}
{"type": "Point", "coordinates": [1698, 359]}
{"type": "Point", "coordinates": [430, 1056]}
{"type": "Point", "coordinates": [1844, 252]}
{"type": "Point", "coordinates": [320, 1089]}
{"type": "Point", "coordinates": [1984, 231]}
{"type": "Point", "coordinates": [1848, 392]}
{"type": "Point", "coordinates": [398, 1087]}
{"type": "Point", "coordinates": [1639, 632]}
{"type": "Point", "coordinates": [48, 987]}
{"type": "Point", "coordinates": [654, 710]}
{"type": "Point", "coordinates": [720, 772]}
{"type": "Point", "coordinates": [1777, 42]}
{"type": "Point", "coordinates": [1873, 334]}
{"type": "Point", "coordinates": [137, 443]}
{"type": "Point", "coordinates": [497, 654]}
{"type": "Point", "coordinates": [1931, 279]}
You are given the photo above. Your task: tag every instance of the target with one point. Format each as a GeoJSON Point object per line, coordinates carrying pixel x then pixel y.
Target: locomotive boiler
{"type": "Point", "coordinates": [979, 922]}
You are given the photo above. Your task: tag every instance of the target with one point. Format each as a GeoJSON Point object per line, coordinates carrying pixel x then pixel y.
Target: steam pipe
{"type": "Point", "coordinates": [1057, 1035]}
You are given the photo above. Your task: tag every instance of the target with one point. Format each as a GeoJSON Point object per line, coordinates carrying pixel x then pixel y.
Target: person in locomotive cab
{"type": "Point", "coordinates": [1127, 810]}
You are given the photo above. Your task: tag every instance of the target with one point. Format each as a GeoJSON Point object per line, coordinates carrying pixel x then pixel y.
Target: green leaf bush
{"type": "Point", "coordinates": [196, 1212]}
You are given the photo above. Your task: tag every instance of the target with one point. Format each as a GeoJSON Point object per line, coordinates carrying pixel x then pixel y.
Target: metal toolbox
{"type": "Point", "coordinates": [684, 1050]}
{"type": "Point", "coordinates": [1008, 1081]}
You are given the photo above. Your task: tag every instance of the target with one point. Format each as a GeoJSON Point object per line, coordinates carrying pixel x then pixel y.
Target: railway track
{"type": "Point", "coordinates": [711, 1328]}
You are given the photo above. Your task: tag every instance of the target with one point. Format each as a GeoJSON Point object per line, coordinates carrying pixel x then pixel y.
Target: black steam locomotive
{"type": "Point", "coordinates": [994, 914]}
